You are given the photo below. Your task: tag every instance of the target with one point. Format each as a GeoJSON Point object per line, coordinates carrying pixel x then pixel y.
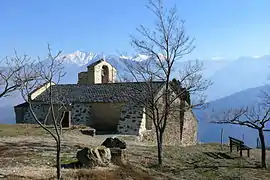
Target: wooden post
{"type": "Point", "coordinates": [221, 138]}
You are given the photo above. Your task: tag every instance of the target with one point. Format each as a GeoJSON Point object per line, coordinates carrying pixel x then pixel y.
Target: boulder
{"type": "Point", "coordinates": [98, 156]}
{"type": "Point", "coordinates": [114, 143]}
{"type": "Point", "coordinates": [119, 156]}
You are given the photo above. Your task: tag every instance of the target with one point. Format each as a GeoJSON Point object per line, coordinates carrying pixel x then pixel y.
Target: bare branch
{"type": "Point", "coordinates": [47, 73]}
{"type": "Point", "coordinates": [164, 44]}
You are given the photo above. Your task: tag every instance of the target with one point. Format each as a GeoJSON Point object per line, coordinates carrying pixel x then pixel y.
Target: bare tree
{"type": "Point", "coordinates": [164, 44]}
{"type": "Point", "coordinates": [49, 72]}
{"type": "Point", "coordinates": [11, 67]}
{"type": "Point", "coordinates": [255, 117]}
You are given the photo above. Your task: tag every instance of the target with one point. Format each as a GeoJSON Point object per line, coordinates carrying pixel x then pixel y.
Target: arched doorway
{"type": "Point", "coordinates": [105, 74]}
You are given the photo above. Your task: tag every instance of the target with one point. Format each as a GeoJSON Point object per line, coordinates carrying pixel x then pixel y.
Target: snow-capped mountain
{"type": "Point", "coordinates": [79, 58]}
{"type": "Point", "coordinates": [238, 75]}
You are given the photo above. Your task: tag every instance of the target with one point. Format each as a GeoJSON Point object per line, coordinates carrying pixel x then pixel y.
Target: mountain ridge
{"type": "Point", "coordinates": [211, 132]}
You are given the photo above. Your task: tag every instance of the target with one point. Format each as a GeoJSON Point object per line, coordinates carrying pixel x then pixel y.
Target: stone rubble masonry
{"type": "Point", "coordinates": [81, 113]}
{"type": "Point", "coordinates": [40, 112]}
{"type": "Point", "coordinates": [190, 129]}
{"type": "Point", "coordinates": [172, 132]}
{"type": "Point", "coordinates": [132, 120]}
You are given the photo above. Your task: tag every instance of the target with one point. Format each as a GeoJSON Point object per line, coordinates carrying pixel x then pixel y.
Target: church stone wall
{"type": "Point", "coordinates": [41, 110]}
{"type": "Point", "coordinates": [132, 120]}
{"type": "Point", "coordinates": [81, 113]}
{"type": "Point", "coordinates": [128, 119]}
{"type": "Point", "coordinates": [172, 132]}
{"type": "Point", "coordinates": [190, 129]}
{"type": "Point", "coordinates": [105, 116]}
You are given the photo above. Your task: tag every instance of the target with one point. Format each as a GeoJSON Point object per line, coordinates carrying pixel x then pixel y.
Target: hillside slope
{"type": "Point", "coordinates": [211, 132]}
{"type": "Point", "coordinates": [239, 75]}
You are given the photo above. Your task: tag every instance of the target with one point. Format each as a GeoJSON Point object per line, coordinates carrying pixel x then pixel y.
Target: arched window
{"type": "Point", "coordinates": [105, 74]}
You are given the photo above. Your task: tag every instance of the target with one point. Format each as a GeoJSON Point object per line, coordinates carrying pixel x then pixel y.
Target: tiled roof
{"type": "Point", "coordinates": [111, 92]}
{"type": "Point", "coordinates": [95, 63]}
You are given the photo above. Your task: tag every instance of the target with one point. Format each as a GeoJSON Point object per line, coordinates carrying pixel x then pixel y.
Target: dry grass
{"type": "Point", "coordinates": [205, 161]}
{"type": "Point", "coordinates": [20, 130]}
{"type": "Point", "coordinates": [109, 173]}
{"type": "Point", "coordinates": [26, 153]}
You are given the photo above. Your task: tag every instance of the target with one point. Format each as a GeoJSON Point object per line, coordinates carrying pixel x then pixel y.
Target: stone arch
{"type": "Point", "coordinates": [105, 74]}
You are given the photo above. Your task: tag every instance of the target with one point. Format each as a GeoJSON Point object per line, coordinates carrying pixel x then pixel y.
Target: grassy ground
{"type": "Point", "coordinates": [26, 152]}
{"type": "Point", "coordinates": [20, 130]}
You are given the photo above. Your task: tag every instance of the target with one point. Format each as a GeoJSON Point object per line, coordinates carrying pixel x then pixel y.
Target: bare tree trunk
{"type": "Point", "coordinates": [263, 149]}
{"type": "Point", "coordinates": [57, 139]}
{"type": "Point", "coordinates": [159, 136]}
{"type": "Point", "coordinates": [58, 163]}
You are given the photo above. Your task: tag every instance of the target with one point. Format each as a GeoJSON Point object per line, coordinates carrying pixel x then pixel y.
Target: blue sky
{"type": "Point", "coordinates": [221, 28]}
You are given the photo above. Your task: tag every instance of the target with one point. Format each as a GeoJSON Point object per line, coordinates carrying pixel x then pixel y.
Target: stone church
{"type": "Point", "coordinates": [100, 102]}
